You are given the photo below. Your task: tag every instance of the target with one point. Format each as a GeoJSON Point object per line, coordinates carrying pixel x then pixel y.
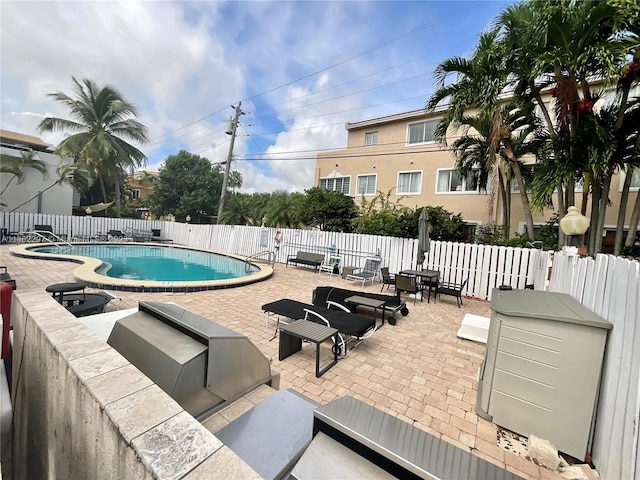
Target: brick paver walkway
{"type": "Point", "coordinates": [417, 370]}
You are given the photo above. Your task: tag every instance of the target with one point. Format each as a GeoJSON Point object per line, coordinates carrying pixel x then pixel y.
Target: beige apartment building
{"type": "Point", "coordinates": [398, 153]}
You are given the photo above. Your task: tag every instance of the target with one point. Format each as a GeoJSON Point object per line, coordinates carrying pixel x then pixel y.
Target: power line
{"type": "Point", "coordinates": [341, 62]}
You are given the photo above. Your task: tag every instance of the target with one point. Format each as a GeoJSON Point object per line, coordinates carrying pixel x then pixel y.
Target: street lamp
{"type": "Point", "coordinates": [574, 225]}
{"type": "Point", "coordinates": [188, 219]}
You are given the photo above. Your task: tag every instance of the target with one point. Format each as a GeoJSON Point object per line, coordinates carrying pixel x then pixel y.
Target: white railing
{"type": "Point", "coordinates": [610, 286]}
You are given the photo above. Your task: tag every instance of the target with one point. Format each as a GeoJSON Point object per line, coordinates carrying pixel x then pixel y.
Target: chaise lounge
{"type": "Point", "coordinates": [393, 303]}
{"type": "Point", "coordinates": [350, 326]}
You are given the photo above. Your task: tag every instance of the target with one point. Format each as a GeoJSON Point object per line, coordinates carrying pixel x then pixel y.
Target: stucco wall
{"type": "Point", "coordinates": [81, 410]}
{"type": "Point", "coordinates": [57, 200]}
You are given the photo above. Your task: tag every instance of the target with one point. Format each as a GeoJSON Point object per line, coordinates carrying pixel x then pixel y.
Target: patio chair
{"type": "Point", "coordinates": [5, 277]}
{"type": "Point", "coordinates": [116, 235]}
{"type": "Point", "coordinates": [387, 278]}
{"type": "Point", "coordinates": [368, 272]}
{"type": "Point", "coordinates": [408, 284]}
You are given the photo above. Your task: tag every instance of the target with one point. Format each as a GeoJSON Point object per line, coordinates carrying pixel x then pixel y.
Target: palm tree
{"type": "Point", "coordinates": [563, 45]}
{"type": "Point", "coordinates": [239, 211]}
{"type": "Point", "coordinates": [103, 122]}
{"type": "Point", "coordinates": [480, 82]}
{"type": "Point", "coordinates": [282, 210]}
{"type": "Point", "coordinates": [18, 166]}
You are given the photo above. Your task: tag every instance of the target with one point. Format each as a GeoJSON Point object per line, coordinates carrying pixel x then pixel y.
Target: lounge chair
{"type": "Point", "coordinates": [387, 278]}
{"type": "Point", "coordinates": [350, 326]}
{"type": "Point", "coordinates": [368, 272]}
{"type": "Point", "coordinates": [392, 303]}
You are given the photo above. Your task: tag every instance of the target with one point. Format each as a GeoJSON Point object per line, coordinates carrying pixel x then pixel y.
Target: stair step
{"type": "Point", "coordinates": [327, 458]}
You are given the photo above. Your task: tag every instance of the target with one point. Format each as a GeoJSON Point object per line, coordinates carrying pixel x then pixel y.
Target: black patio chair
{"type": "Point", "coordinates": [387, 278]}
{"type": "Point", "coordinates": [408, 284]}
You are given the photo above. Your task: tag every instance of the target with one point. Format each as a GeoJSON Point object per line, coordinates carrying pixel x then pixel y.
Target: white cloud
{"type": "Point", "coordinates": [182, 62]}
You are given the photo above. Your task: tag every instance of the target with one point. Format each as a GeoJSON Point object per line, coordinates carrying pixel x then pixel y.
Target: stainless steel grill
{"type": "Point", "coordinates": [200, 363]}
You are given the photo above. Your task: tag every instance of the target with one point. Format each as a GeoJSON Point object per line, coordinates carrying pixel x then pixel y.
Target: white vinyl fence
{"type": "Point", "coordinates": [609, 286]}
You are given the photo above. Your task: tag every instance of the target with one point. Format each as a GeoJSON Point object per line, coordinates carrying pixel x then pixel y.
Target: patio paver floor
{"type": "Point", "coordinates": [417, 370]}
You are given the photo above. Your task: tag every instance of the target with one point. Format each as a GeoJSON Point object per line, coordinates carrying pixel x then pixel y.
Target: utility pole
{"type": "Point", "coordinates": [225, 180]}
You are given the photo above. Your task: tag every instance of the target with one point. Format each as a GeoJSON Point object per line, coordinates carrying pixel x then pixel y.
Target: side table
{"type": "Point", "coordinates": [292, 335]}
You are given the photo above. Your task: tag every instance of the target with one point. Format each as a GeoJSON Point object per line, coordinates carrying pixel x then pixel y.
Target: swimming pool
{"type": "Point", "coordinates": [155, 268]}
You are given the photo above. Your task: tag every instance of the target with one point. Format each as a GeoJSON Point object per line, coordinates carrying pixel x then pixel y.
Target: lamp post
{"type": "Point", "coordinates": [574, 225]}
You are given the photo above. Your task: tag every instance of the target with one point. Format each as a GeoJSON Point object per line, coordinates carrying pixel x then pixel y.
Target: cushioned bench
{"type": "Point", "coordinates": [306, 259]}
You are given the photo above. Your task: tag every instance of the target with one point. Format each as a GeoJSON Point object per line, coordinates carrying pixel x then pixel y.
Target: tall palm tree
{"type": "Point", "coordinates": [480, 82]}
{"type": "Point", "coordinates": [103, 122]}
{"type": "Point", "coordinates": [563, 45]}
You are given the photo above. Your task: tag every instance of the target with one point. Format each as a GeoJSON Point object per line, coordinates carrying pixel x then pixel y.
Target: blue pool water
{"type": "Point", "coordinates": [157, 263]}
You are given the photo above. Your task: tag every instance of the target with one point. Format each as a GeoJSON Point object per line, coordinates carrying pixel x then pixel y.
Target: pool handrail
{"type": "Point", "coordinates": [271, 258]}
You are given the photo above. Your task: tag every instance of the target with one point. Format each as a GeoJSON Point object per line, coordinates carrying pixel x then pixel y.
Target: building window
{"type": "Point", "coordinates": [450, 181]}
{"type": "Point", "coordinates": [336, 184]}
{"type": "Point", "coordinates": [370, 139]}
{"type": "Point", "coordinates": [635, 179]}
{"type": "Point", "coordinates": [135, 194]}
{"type": "Point", "coordinates": [422, 132]}
{"type": "Point", "coordinates": [409, 182]}
{"type": "Point", "coordinates": [366, 185]}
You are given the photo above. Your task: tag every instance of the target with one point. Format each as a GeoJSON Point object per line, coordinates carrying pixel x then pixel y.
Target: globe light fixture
{"type": "Point", "coordinates": [88, 211]}
{"type": "Point", "coordinates": [574, 225]}
{"type": "Point", "coordinates": [188, 219]}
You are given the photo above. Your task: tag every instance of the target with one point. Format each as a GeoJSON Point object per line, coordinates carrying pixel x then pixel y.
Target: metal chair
{"type": "Point", "coordinates": [368, 272]}
{"type": "Point", "coordinates": [408, 284]}
{"type": "Point", "coordinates": [387, 278]}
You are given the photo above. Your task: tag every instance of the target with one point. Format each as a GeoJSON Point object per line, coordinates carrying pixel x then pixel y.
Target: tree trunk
{"type": "Point", "coordinates": [602, 211]}
{"type": "Point", "coordinates": [507, 218]}
{"type": "Point", "coordinates": [596, 200]}
{"type": "Point", "coordinates": [562, 210]}
{"type": "Point", "coordinates": [117, 194]}
{"type": "Point", "coordinates": [622, 212]}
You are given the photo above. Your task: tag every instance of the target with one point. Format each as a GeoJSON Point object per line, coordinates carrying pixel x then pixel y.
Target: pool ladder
{"type": "Point", "coordinates": [271, 259]}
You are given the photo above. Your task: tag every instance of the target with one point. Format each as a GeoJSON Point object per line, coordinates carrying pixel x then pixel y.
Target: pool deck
{"type": "Point", "coordinates": [417, 370]}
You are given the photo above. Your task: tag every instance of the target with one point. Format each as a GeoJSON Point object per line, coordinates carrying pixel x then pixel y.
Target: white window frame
{"type": "Point", "coordinates": [373, 136]}
{"type": "Point", "coordinates": [375, 184]}
{"type": "Point", "coordinates": [135, 194]}
{"type": "Point", "coordinates": [463, 183]}
{"type": "Point", "coordinates": [405, 172]}
{"type": "Point", "coordinates": [408, 142]}
{"type": "Point", "coordinates": [632, 188]}
{"type": "Point", "coordinates": [334, 179]}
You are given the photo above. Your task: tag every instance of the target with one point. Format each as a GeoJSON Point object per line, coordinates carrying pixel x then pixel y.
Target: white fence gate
{"type": "Point", "coordinates": [610, 286]}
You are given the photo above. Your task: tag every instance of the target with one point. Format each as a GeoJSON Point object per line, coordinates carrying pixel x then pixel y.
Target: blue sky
{"type": "Point", "coordinates": [301, 70]}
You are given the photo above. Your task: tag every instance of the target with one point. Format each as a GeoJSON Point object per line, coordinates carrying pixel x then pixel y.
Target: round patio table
{"type": "Point", "coordinates": [58, 290]}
